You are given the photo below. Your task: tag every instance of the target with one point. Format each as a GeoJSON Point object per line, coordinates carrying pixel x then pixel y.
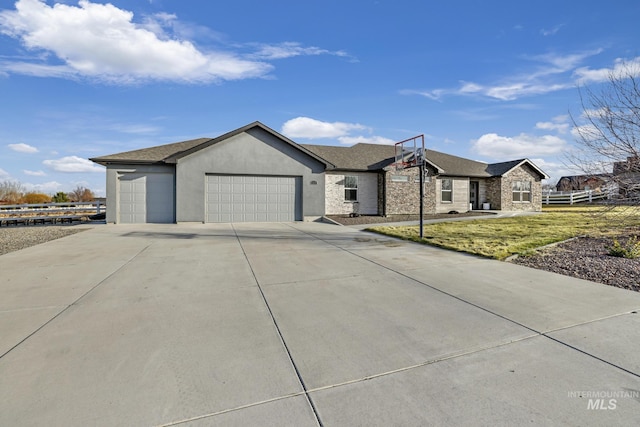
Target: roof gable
{"type": "Point", "coordinates": [500, 169]}
{"type": "Point", "coordinates": [172, 153]}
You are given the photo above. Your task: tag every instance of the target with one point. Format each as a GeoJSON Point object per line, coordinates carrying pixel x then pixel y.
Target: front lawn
{"type": "Point", "coordinates": [502, 237]}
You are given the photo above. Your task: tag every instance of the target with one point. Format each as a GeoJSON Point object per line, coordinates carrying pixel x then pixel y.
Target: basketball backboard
{"type": "Point", "coordinates": [409, 153]}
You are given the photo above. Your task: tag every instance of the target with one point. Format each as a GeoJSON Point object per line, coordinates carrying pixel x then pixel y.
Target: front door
{"type": "Point", "coordinates": [473, 194]}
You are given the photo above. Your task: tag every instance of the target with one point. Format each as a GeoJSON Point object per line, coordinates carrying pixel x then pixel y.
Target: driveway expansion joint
{"type": "Point", "coordinates": [74, 302]}
{"type": "Point", "coordinates": [541, 333]}
{"type": "Point", "coordinates": [279, 332]}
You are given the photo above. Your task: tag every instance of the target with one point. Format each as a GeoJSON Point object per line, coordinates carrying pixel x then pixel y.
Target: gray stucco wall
{"type": "Point", "coordinates": [115, 171]}
{"type": "Point", "coordinates": [255, 152]}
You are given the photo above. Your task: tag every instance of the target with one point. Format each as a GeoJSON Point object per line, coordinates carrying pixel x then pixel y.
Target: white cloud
{"type": "Point", "coordinates": [4, 174]}
{"type": "Point", "coordinates": [34, 173]}
{"type": "Point", "coordinates": [72, 164]}
{"type": "Point", "coordinates": [549, 73]}
{"type": "Point", "coordinates": [105, 43]}
{"type": "Point", "coordinates": [23, 148]}
{"type": "Point", "coordinates": [508, 148]}
{"type": "Point", "coordinates": [305, 127]}
{"type": "Point", "coordinates": [291, 49]}
{"type": "Point", "coordinates": [559, 124]}
{"type": "Point", "coordinates": [351, 140]}
{"type": "Point", "coordinates": [552, 31]}
{"type": "Point", "coordinates": [47, 187]}
{"type": "Point", "coordinates": [101, 41]}
{"type": "Point", "coordinates": [621, 67]}
{"type": "Point", "coordinates": [308, 128]}
{"type": "Point", "coordinates": [555, 170]}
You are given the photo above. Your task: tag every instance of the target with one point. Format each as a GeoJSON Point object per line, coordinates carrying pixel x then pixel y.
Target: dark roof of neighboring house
{"type": "Point", "coordinates": [170, 153]}
{"type": "Point", "coordinates": [577, 179]}
{"type": "Point", "coordinates": [588, 176]}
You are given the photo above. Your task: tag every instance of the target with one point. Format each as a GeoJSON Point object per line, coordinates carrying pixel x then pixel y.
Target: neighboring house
{"type": "Point", "coordinates": [594, 182]}
{"type": "Point", "coordinates": [256, 174]}
{"type": "Point", "coordinates": [626, 175]}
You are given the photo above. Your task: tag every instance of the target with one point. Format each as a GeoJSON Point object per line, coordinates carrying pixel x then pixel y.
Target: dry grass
{"type": "Point", "coordinates": [501, 237]}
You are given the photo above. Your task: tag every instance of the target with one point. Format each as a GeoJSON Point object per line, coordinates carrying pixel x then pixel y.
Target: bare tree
{"type": "Point", "coordinates": [11, 192]}
{"type": "Point", "coordinates": [608, 133]}
{"type": "Point", "coordinates": [81, 194]}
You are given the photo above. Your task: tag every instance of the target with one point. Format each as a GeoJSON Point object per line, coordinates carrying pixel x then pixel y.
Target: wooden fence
{"type": "Point", "coordinates": [572, 197]}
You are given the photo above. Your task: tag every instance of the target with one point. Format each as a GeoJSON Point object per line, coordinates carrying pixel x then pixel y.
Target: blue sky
{"type": "Point", "coordinates": [486, 80]}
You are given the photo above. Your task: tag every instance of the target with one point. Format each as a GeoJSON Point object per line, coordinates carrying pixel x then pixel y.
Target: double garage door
{"type": "Point", "coordinates": [146, 198]}
{"type": "Point", "coordinates": [241, 198]}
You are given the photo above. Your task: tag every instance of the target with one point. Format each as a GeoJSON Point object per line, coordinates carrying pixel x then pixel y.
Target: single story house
{"type": "Point", "coordinates": [255, 174]}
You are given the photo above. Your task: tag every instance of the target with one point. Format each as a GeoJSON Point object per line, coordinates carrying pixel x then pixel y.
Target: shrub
{"type": "Point", "coordinates": [631, 249]}
{"type": "Point", "coordinates": [36, 198]}
{"type": "Point", "coordinates": [60, 197]}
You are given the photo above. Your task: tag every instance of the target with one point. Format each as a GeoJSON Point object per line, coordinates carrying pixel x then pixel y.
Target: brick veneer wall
{"type": "Point", "coordinates": [493, 193]}
{"type": "Point", "coordinates": [523, 173]}
{"type": "Point", "coordinates": [404, 197]}
{"type": "Point", "coordinates": [367, 194]}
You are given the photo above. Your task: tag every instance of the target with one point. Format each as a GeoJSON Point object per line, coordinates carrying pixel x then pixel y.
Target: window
{"type": "Point", "coordinates": [399, 178]}
{"type": "Point", "coordinates": [446, 192]}
{"type": "Point", "coordinates": [350, 188]}
{"type": "Point", "coordinates": [521, 191]}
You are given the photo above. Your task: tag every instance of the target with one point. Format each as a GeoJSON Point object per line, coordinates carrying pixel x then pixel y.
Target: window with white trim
{"type": "Point", "coordinates": [521, 191]}
{"type": "Point", "coordinates": [350, 188]}
{"type": "Point", "coordinates": [446, 191]}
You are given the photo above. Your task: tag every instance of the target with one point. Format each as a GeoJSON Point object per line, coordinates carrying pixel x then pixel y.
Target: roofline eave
{"type": "Point", "coordinates": [127, 162]}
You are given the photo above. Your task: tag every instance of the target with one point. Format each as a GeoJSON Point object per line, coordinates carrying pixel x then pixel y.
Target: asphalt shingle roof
{"type": "Point", "coordinates": [155, 154]}
{"type": "Point", "coordinates": [370, 157]}
{"type": "Point", "coordinates": [359, 157]}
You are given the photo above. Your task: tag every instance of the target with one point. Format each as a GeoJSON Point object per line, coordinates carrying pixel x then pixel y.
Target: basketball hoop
{"type": "Point", "coordinates": [409, 153]}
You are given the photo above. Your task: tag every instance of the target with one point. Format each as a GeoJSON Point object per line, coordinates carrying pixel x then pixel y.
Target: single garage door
{"type": "Point", "coordinates": [241, 198]}
{"type": "Point", "coordinates": [146, 198]}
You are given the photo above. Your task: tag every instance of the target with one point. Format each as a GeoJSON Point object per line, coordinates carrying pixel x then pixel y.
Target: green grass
{"type": "Point", "coordinates": [502, 237]}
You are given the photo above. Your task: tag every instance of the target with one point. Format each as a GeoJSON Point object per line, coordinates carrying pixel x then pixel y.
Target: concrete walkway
{"type": "Point", "coordinates": [303, 324]}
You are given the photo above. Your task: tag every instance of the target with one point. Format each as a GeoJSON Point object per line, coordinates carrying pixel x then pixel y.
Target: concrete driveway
{"type": "Point", "coordinates": [303, 324]}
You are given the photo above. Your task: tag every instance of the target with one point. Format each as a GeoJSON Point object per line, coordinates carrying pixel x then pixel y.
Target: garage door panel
{"type": "Point", "coordinates": [250, 198]}
{"type": "Point", "coordinates": [144, 198]}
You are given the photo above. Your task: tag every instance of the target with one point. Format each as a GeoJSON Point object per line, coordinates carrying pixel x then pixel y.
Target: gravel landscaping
{"type": "Point", "coordinates": [588, 258]}
{"type": "Point", "coordinates": [20, 237]}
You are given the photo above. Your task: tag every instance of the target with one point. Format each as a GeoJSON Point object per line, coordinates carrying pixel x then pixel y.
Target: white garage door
{"type": "Point", "coordinates": [239, 198]}
{"type": "Point", "coordinates": [146, 198]}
